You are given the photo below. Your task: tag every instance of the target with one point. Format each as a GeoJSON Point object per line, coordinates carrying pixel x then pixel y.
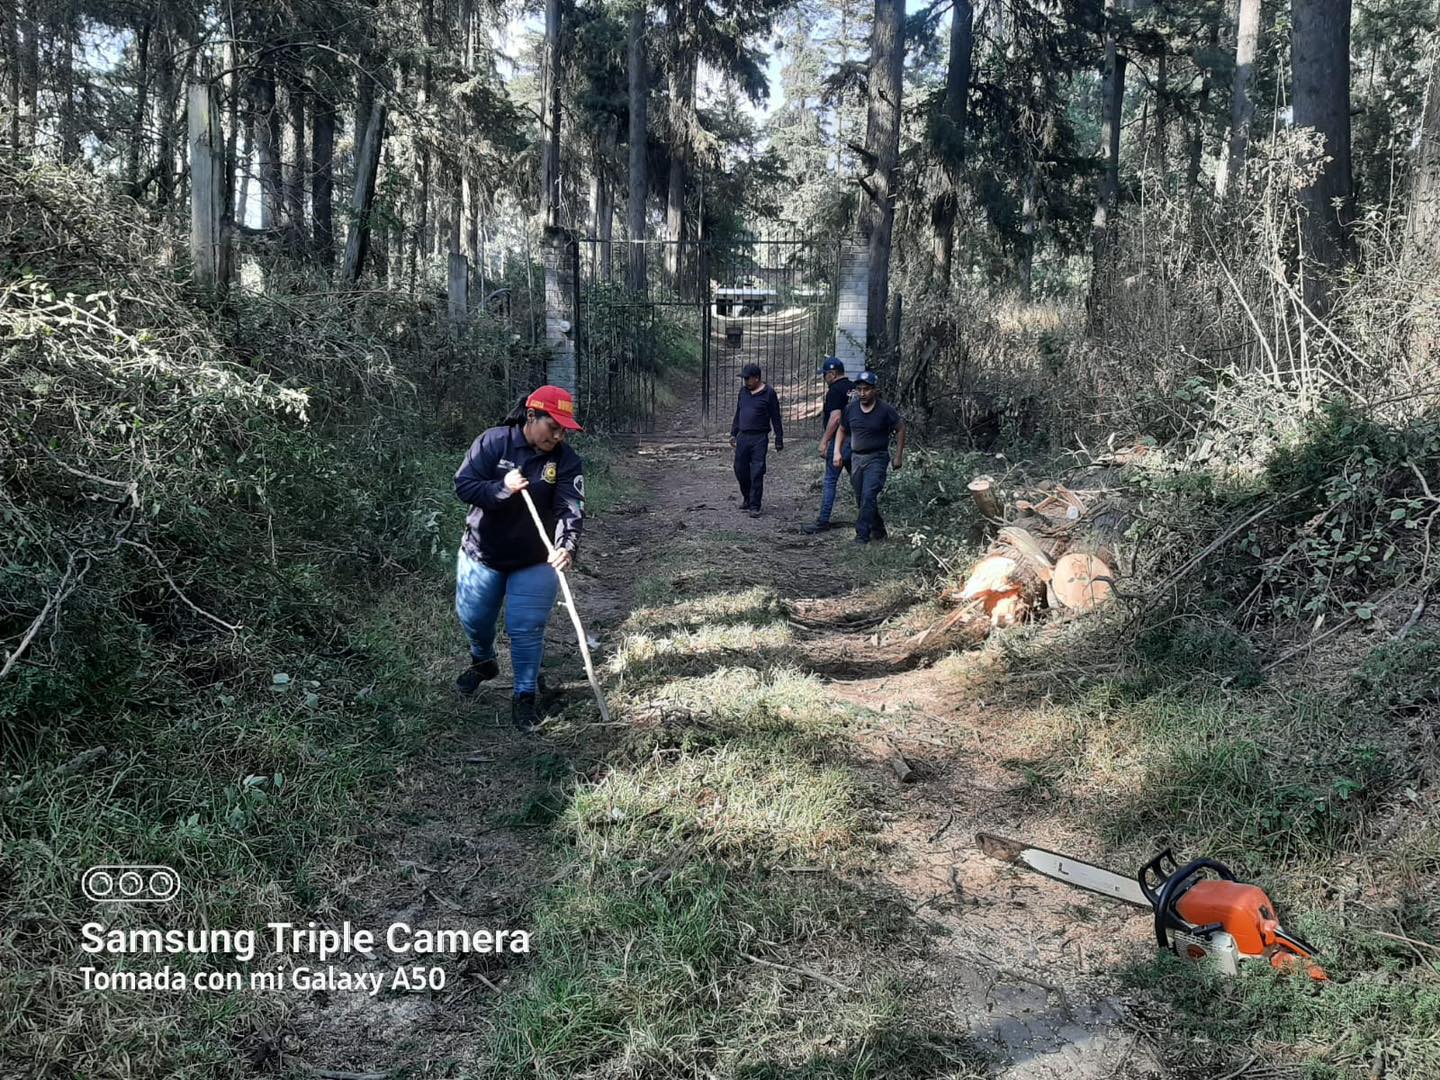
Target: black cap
{"type": "Point", "coordinates": [832, 363]}
{"type": "Point", "coordinates": [750, 370]}
{"type": "Point", "coordinates": [868, 378]}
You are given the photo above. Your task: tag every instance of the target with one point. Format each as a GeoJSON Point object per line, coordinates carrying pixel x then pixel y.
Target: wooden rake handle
{"type": "Point", "coordinates": [570, 605]}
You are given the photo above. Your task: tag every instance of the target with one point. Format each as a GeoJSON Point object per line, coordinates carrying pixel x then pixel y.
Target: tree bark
{"type": "Point", "coordinates": [27, 75]}
{"type": "Point", "coordinates": [245, 159]}
{"type": "Point", "coordinates": [268, 138]}
{"type": "Point", "coordinates": [1242, 107]}
{"type": "Point", "coordinates": [364, 198]}
{"type": "Point", "coordinates": [322, 185]}
{"type": "Point", "coordinates": [295, 170]}
{"type": "Point", "coordinates": [1422, 240]}
{"type": "Point", "coordinates": [951, 135]}
{"type": "Point", "coordinates": [1112, 100]}
{"type": "Point", "coordinates": [69, 125]}
{"type": "Point", "coordinates": [1197, 127]}
{"type": "Point", "coordinates": [550, 118]}
{"type": "Point", "coordinates": [1029, 213]}
{"type": "Point", "coordinates": [639, 174]}
{"type": "Point", "coordinates": [165, 119]}
{"type": "Point", "coordinates": [882, 148]}
{"type": "Point", "coordinates": [1320, 59]}
{"type": "Point", "coordinates": [682, 107]}
{"type": "Point", "coordinates": [11, 17]}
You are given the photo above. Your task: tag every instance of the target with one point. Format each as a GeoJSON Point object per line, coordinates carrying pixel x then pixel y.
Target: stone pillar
{"type": "Point", "coordinates": [560, 311]}
{"type": "Point", "coordinates": [852, 304]}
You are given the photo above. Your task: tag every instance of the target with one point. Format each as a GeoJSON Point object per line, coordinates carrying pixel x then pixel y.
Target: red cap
{"type": "Point", "coordinates": [558, 403]}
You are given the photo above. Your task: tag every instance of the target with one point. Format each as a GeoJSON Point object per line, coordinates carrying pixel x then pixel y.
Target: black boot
{"type": "Point", "coordinates": [523, 713]}
{"type": "Point", "coordinates": [815, 527]}
{"type": "Point", "coordinates": [479, 671]}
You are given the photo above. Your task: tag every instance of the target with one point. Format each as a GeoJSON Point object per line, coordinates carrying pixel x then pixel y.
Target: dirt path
{"type": "Point", "coordinates": [1017, 962]}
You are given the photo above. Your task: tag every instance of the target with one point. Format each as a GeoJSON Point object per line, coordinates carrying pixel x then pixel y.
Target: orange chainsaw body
{"type": "Point", "coordinates": [1243, 910]}
{"type": "Point", "coordinates": [1247, 915]}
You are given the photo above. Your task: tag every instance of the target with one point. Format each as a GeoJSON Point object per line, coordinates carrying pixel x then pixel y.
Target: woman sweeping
{"type": "Point", "coordinates": [502, 556]}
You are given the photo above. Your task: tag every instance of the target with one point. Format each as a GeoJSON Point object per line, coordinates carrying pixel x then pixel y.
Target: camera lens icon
{"type": "Point", "coordinates": [132, 884]}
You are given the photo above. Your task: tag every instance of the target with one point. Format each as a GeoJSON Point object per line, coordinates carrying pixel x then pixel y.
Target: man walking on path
{"type": "Point", "coordinates": [756, 413]}
{"type": "Point", "coordinates": [867, 425]}
{"type": "Point", "coordinates": [837, 396]}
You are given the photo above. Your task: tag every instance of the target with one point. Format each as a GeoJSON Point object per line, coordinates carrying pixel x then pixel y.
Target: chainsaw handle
{"type": "Point", "coordinates": [1155, 873]}
{"type": "Point", "coordinates": [1172, 888]}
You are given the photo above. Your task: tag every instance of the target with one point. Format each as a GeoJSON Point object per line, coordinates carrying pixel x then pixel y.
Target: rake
{"type": "Point", "coordinates": [570, 604]}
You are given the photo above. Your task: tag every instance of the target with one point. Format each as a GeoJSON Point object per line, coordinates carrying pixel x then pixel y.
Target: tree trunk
{"type": "Point", "coordinates": [245, 161]}
{"type": "Point", "coordinates": [1320, 58]}
{"type": "Point", "coordinates": [1422, 240]}
{"type": "Point", "coordinates": [1242, 107]}
{"type": "Point", "coordinates": [268, 136]}
{"type": "Point", "coordinates": [882, 149]}
{"type": "Point", "coordinates": [69, 125]}
{"type": "Point", "coordinates": [322, 186]}
{"type": "Point", "coordinates": [1029, 213]}
{"type": "Point", "coordinates": [639, 176]}
{"type": "Point", "coordinates": [1162, 113]}
{"type": "Point", "coordinates": [682, 108]}
{"type": "Point", "coordinates": [364, 198]}
{"type": "Point", "coordinates": [550, 117]}
{"type": "Point", "coordinates": [28, 77]}
{"type": "Point", "coordinates": [1112, 100]}
{"type": "Point", "coordinates": [164, 119]}
{"type": "Point", "coordinates": [11, 17]}
{"type": "Point", "coordinates": [605, 199]}
{"type": "Point", "coordinates": [295, 171]}
{"type": "Point", "coordinates": [951, 135]}
{"type": "Point", "coordinates": [1197, 128]}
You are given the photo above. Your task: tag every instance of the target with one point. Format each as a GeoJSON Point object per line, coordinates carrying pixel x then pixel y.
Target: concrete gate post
{"type": "Point", "coordinates": [852, 307]}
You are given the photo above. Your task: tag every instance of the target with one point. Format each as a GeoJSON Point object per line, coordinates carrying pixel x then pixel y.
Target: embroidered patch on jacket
{"type": "Point", "coordinates": [550, 473]}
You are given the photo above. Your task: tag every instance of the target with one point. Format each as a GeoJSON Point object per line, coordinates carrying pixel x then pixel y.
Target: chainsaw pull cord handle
{"type": "Point", "coordinates": [1173, 888]}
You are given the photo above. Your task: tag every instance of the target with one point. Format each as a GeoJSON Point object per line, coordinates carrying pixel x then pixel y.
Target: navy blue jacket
{"type": "Point", "coordinates": [498, 531]}
{"type": "Point", "coordinates": [755, 414]}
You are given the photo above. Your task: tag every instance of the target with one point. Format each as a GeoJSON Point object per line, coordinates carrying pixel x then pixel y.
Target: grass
{"type": "Point", "coordinates": [709, 848]}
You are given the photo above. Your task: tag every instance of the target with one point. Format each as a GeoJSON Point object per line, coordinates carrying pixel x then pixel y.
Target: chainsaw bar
{"type": "Point", "coordinates": [1063, 868]}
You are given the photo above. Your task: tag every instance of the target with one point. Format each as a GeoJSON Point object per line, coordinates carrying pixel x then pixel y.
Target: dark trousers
{"type": "Point", "coordinates": [750, 451]}
{"type": "Point", "coordinates": [867, 479]}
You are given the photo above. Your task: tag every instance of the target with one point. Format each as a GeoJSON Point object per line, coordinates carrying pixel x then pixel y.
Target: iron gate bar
{"type": "Point", "coordinates": [624, 339]}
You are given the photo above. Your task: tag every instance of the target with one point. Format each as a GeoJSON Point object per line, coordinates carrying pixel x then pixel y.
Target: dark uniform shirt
{"type": "Point", "coordinates": [869, 433]}
{"type": "Point", "coordinates": [837, 396]}
{"type": "Point", "coordinates": [756, 413]}
{"type": "Point", "coordinates": [499, 531]}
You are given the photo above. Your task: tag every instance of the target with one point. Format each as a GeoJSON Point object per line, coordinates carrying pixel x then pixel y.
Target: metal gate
{"type": "Point", "coordinates": [771, 302]}
{"type": "Point", "coordinates": [707, 308]}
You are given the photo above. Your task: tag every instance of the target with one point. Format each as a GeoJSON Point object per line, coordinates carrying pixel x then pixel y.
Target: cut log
{"type": "Point", "coordinates": [1007, 609]}
{"type": "Point", "coordinates": [982, 490]}
{"type": "Point", "coordinates": [1081, 581]}
{"type": "Point", "coordinates": [1023, 541]}
{"type": "Point", "coordinates": [994, 573]}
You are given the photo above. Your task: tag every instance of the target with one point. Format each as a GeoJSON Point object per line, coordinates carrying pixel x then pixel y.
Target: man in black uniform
{"type": "Point", "coordinates": [756, 412]}
{"type": "Point", "coordinates": [867, 425]}
{"type": "Point", "coordinates": [837, 396]}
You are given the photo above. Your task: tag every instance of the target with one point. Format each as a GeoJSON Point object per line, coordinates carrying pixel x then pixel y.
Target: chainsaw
{"type": "Point", "coordinates": [1202, 913]}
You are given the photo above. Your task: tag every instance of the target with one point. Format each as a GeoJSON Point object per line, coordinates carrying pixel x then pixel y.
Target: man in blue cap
{"type": "Point", "coordinates": [867, 425]}
{"type": "Point", "coordinates": [757, 411]}
{"type": "Point", "coordinates": [837, 395]}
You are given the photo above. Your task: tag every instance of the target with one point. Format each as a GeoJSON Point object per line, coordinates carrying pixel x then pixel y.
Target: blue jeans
{"type": "Point", "coordinates": [867, 478]}
{"type": "Point", "coordinates": [832, 480]}
{"type": "Point", "coordinates": [750, 453]}
{"type": "Point", "coordinates": [528, 594]}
